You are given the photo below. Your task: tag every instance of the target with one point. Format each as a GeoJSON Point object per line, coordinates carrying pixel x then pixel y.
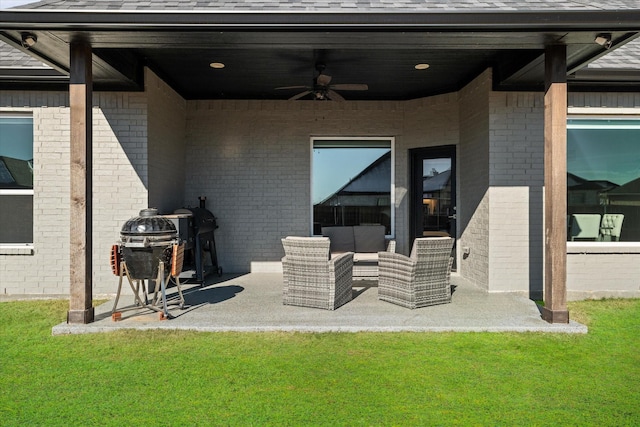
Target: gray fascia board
{"type": "Point", "coordinates": [552, 20]}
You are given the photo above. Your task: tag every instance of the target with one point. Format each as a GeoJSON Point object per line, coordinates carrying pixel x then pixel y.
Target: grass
{"type": "Point", "coordinates": [188, 378]}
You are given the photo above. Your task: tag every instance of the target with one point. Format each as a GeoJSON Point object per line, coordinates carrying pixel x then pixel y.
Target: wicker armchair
{"type": "Point", "coordinates": [419, 280]}
{"type": "Point", "coordinates": [311, 279]}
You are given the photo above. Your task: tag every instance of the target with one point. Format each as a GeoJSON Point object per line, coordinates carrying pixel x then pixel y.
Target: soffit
{"type": "Point", "coordinates": [263, 51]}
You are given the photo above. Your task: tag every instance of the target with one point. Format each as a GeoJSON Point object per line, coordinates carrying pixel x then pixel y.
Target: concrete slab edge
{"type": "Point", "coordinates": [571, 328]}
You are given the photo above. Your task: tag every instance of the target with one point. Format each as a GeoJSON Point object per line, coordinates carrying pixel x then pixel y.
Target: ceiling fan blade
{"type": "Point", "coordinates": [335, 96]}
{"type": "Point", "coordinates": [300, 95]}
{"type": "Point", "coordinates": [323, 80]}
{"type": "Point", "coordinates": [293, 87]}
{"type": "Point", "coordinates": [348, 86]}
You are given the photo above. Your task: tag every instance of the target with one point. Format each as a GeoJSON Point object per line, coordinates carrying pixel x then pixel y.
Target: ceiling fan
{"type": "Point", "coordinates": [321, 89]}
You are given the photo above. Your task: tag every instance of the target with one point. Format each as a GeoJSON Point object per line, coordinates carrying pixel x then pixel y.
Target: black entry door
{"type": "Point", "coordinates": [433, 191]}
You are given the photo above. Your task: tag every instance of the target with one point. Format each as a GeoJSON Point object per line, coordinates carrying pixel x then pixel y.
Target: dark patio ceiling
{"type": "Point", "coordinates": [264, 51]}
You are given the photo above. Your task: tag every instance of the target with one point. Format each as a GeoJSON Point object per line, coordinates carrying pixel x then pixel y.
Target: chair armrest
{"type": "Point", "coordinates": [391, 246]}
{"type": "Point", "coordinates": [394, 268]}
{"type": "Point", "coordinates": [341, 271]}
{"type": "Point", "coordinates": [340, 260]}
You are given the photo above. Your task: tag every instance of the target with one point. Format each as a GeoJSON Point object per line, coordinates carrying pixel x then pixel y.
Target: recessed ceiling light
{"type": "Point", "coordinates": [422, 66]}
{"type": "Point", "coordinates": [216, 65]}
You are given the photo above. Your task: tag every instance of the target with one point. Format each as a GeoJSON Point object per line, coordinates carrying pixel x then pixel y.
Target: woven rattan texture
{"type": "Point", "coordinates": [311, 279]}
{"type": "Point", "coordinates": [420, 280]}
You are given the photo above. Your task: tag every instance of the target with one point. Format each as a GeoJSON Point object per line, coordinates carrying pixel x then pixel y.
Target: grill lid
{"type": "Point", "coordinates": [204, 220]}
{"type": "Point", "coordinates": [148, 222]}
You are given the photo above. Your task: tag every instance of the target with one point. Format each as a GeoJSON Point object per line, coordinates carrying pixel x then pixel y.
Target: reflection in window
{"type": "Point", "coordinates": [603, 180]}
{"type": "Point", "coordinates": [16, 179]}
{"type": "Point", "coordinates": [351, 183]}
{"type": "Point", "coordinates": [436, 195]}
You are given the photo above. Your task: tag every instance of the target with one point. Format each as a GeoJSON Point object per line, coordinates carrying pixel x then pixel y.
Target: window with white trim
{"type": "Point", "coordinates": [603, 179]}
{"type": "Point", "coordinates": [16, 179]}
{"type": "Point", "coordinates": [352, 182]}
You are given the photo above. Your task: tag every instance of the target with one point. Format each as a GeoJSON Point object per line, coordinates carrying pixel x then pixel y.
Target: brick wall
{"type": "Point", "coordinates": [501, 180]}
{"type": "Point", "coordinates": [428, 122]}
{"type": "Point", "coordinates": [119, 124]}
{"type": "Point", "coordinates": [598, 270]}
{"type": "Point", "coordinates": [473, 185]}
{"type": "Point", "coordinates": [166, 145]}
{"type": "Point", "coordinates": [251, 159]}
{"type": "Point", "coordinates": [516, 178]}
{"type": "Point", "coordinates": [120, 174]}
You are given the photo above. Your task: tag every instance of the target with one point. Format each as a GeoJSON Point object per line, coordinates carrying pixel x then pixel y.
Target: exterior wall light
{"type": "Point", "coordinates": [604, 40]}
{"type": "Point", "coordinates": [28, 40]}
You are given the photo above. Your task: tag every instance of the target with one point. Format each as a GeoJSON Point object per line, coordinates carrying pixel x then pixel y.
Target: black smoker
{"type": "Point", "coordinates": [145, 240]}
{"type": "Point", "coordinates": [196, 227]}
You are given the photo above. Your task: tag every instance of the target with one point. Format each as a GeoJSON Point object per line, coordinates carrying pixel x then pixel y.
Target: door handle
{"type": "Point", "coordinates": [454, 216]}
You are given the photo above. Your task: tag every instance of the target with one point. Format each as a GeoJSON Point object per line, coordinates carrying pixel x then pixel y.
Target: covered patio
{"type": "Point", "coordinates": [253, 303]}
{"type": "Point", "coordinates": [164, 109]}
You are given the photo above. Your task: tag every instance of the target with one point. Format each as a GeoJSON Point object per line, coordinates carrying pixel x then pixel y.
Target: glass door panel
{"type": "Point", "coordinates": [433, 192]}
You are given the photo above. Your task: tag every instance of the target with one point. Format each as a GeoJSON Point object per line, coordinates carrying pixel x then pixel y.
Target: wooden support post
{"type": "Point", "coordinates": [555, 184]}
{"type": "Point", "coordinates": [80, 99]}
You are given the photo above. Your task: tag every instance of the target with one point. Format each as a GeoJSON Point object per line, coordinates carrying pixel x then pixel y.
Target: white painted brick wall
{"type": "Point", "coordinates": [591, 265]}
{"type": "Point", "coordinates": [428, 122]}
{"type": "Point", "coordinates": [473, 183]}
{"type": "Point", "coordinates": [586, 281]}
{"type": "Point", "coordinates": [120, 175]}
{"type": "Point", "coordinates": [166, 148]}
{"type": "Point", "coordinates": [119, 123]}
{"type": "Point", "coordinates": [252, 160]}
{"type": "Point", "coordinates": [516, 177]}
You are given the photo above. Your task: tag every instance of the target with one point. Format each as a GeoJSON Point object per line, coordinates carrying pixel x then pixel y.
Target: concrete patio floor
{"type": "Point", "coordinates": [253, 303]}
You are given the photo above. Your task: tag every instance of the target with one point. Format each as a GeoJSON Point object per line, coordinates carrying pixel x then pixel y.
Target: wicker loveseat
{"type": "Point", "coordinates": [365, 241]}
{"type": "Point", "coordinates": [311, 279]}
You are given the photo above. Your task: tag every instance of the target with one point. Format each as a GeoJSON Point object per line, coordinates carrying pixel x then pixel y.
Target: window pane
{"type": "Point", "coordinates": [603, 182]}
{"type": "Point", "coordinates": [436, 194]}
{"type": "Point", "coordinates": [16, 219]}
{"type": "Point", "coordinates": [351, 183]}
{"type": "Point", "coordinates": [16, 179]}
{"type": "Point", "coordinates": [16, 152]}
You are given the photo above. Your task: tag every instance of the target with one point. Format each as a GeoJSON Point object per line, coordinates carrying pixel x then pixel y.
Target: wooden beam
{"type": "Point", "coordinates": [555, 184]}
{"type": "Point", "coordinates": [80, 99]}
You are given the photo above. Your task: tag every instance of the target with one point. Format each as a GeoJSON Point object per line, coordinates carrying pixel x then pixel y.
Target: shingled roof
{"type": "Point", "coordinates": [11, 57]}
{"type": "Point", "coordinates": [626, 57]}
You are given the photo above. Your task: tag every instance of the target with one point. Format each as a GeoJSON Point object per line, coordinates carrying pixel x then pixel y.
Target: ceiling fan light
{"type": "Point", "coordinates": [421, 66]}
{"type": "Point", "coordinates": [216, 65]}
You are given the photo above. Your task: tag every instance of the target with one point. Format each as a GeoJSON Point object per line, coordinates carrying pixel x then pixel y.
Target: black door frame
{"type": "Point", "coordinates": [416, 156]}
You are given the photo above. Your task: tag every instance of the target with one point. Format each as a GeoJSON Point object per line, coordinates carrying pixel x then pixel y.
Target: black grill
{"type": "Point", "coordinates": [145, 240]}
{"type": "Point", "coordinates": [196, 226]}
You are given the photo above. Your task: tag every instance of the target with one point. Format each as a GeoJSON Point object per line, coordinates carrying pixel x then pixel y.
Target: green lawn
{"type": "Point", "coordinates": [184, 378]}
